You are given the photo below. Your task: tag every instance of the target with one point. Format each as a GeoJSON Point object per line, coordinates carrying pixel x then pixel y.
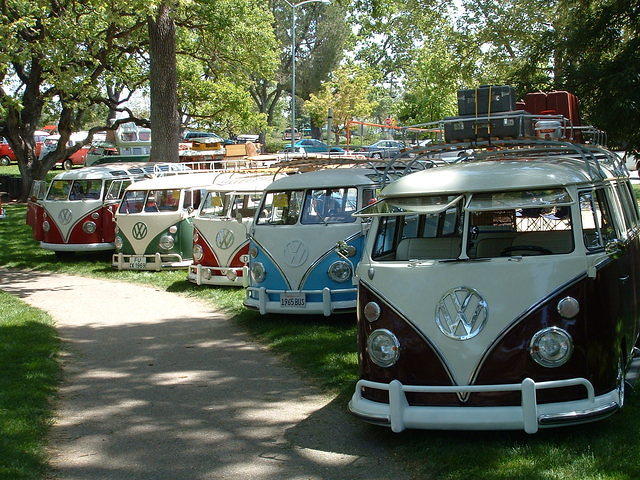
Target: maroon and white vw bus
{"type": "Point", "coordinates": [500, 292]}
{"type": "Point", "coordinates": [76, 214]}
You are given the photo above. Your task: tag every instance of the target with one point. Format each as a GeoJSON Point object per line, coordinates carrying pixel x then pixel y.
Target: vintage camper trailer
{"type": "Point", "coordinates": [75, 213]}
{"type": "Point", "coordinates": [220, 242]}
{"type": "Point", "coordinates": [292, 259]}
{"type": "Point", "coordinates": [500, 292]}
{"type": "Point", "coordinates": [154, 222]}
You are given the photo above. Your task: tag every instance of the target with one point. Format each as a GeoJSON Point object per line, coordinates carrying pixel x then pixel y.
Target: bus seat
{"type": "Point", "coordinates": [556, 241]}
{"type": "Point", "coordinates": [491, 246]}
{"type": "Point", "coordinates": [428, 248]}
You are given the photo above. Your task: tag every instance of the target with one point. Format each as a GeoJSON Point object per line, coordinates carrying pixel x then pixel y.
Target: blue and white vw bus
{"type": "Point", "coordinates": [294, 264]}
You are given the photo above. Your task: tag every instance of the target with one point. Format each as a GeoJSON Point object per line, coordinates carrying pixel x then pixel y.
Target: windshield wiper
{"type": "Point", "coordinates": [455, 260]}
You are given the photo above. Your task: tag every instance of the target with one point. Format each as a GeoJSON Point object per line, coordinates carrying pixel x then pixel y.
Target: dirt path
{"type": "Point", "coordinates": [161, 387]}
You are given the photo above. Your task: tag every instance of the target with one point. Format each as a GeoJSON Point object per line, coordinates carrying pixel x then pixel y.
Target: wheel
{"type": "Point", "coordinates": [376, 155]}
{"type": "Point", "coordinates": [5, 161]}
{"type": "Point", "coordinates": [67, 164]}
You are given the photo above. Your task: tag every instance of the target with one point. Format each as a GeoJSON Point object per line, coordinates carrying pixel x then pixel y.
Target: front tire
{"type": "Point", "coordinates": [67, 164]}
{"type": "Point", "coordinates": [5, 161]}
{"type": "Point", "coordinates": [377, 156]}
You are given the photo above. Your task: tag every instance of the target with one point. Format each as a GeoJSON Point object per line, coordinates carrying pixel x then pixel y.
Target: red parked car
{"type": "Point", "coordinates": [7, 157]}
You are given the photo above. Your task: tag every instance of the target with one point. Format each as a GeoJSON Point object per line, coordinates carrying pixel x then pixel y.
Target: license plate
{"type": "Point", "coordinates": [138, 263]}
{"type": "Point", "coordinates": [292, 300]}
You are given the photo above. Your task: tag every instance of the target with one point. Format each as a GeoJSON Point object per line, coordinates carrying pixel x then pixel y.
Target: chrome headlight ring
{"type": "Point", "coordinates": [339, 271]}
{"type": "Point", "coordinates": [118, 242]}
{"type": "Point", "coordinates": [258, 272]}
{"type": "Point", "coordinates": [551, 347]}
{"type": "Point", "coordinates": [89, 227]}
{"type": "Point", "coordinates": [198, 252]}
{"type": "Point", "coordinates": [383, 348]}
{"type": "Point", "coordinates": [166, 242]}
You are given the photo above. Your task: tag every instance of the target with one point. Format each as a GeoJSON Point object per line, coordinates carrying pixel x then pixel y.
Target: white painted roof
{"type": "Point", "coordinates": [334, 177]}
{"type": "Point", "coordinates": [174, 181]}
{"type": "Point", "coordinates": [484, 176]}
{"type": "Point", "coordinates": [243, 182]}
{"type": "Point", "coordinates": [106, 170]}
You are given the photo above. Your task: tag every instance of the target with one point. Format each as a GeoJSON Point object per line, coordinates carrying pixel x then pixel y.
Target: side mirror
{"type": "Point", "coordinates": [615, 248]}
{"type": "Point", "coordinates": [345, 250]}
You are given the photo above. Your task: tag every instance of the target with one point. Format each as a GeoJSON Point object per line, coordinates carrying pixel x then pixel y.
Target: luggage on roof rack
{"type": "Point", "coordinates": [513, 124]}
{"type": "Point", "coordinates": [486, 99]}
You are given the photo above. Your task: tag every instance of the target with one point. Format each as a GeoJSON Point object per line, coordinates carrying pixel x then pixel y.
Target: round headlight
{"type": "Point", "coordinates": [166, 242]}
{"type": "Point", "coordinates": [339, 271]}
{"type": "Point", "coordinates": [383, 348]}
{"type": "Point", "coordinates": [118, 242]}
{"type": "Point", "coordinates": [45, 226]}
{"type": "Point", "coordinates": [253, 251]}
{"type": "Point", "coordinates": [258, 272]}
{"type": "Point", "coordinates": [89, 227]}
{"type": "Point", "coordinates": [568, 307]}
{"type": "Point", "coordinates": [173, 229]}
{"type": "Point", "coordinates": [198, 252]}
{"type": "Point", "coordinates": [371, 311]}
{"type": "Point", "coordinates": [551, 347]}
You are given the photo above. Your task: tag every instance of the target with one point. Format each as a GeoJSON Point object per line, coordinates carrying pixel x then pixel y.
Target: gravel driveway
{"type": "Point", "coordinates": [161, 387]}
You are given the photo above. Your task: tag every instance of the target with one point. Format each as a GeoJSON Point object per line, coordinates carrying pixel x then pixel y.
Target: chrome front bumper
{"type": "Point", "coordinates": [155, 262]}
{"type": "Point", "coordinates": [77, 247]}
{"type": "Point", "coordinates": [326, 307]}
{"type": "Point", "coordinates": [528, 416]}
{"type": "Point", "coordinates": [227, 276]}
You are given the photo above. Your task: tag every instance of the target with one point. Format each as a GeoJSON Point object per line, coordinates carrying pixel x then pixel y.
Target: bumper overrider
{"type": "Point", "coordinates": [528, 416]}
{"type": "Point", "coordinates": [257, 298]}
{"type": "Point", "coordinates": [157, 261]}
{"type": "Point", "coordinates": [204, 275]}
{"type": "Point", "coordinates": [78, 247]}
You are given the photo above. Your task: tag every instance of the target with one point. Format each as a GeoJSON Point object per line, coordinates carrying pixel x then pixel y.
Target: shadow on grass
{"type": "Point", "coordinates": [30, 375]}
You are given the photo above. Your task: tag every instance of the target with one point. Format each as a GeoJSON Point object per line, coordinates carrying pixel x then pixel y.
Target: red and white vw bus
{"type": "Point", "coordinates": [77, 212]}
{"type": "Point", "coordinates": [501, 292]}
{"type": "Point", "coordinates": [220, 242]}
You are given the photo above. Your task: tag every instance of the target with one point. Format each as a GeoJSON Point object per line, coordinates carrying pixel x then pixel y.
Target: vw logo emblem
{"type": "Point", "coordinates": [461, 313]}
{"type": "Point", "coordinates": [139, 231]}
{"type": "Point", "coordinates": [65, 216]}
{"type": "Point", "coordinates": [295, 253]}
{"type": "Point", "coordinates": [224, 238]}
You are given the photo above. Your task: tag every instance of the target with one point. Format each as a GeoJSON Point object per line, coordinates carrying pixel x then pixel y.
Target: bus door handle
{"type": "Point", "coordinates": [624, 279]}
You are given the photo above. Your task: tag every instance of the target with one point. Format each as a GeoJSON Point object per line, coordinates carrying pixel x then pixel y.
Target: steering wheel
{"type": "Point", "coordinates": [526, 248]}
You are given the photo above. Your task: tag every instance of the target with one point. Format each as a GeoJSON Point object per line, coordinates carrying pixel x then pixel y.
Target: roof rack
{"type": "Point", "coordinates": [434, 155]}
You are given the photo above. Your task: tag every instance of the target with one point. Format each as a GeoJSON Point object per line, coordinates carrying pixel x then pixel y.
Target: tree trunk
{"type": "Point", "coordinates": [165, 124]}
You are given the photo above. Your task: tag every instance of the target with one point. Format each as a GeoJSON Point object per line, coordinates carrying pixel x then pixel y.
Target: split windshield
{"type": "Point", "coordinates": [75, 190]}
{"type": "Point", "coordinates": [152, 201]}
{"type": "Point", "coordinates": [215, 205]}
{"type": "Point", "coordinates": [500, 224]}
{"type": "Point", "coordinates": [312, 207]}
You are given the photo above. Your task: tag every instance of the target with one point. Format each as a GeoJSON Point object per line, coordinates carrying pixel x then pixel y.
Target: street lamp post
{"type": "Point", "coordinates": [293, 61]}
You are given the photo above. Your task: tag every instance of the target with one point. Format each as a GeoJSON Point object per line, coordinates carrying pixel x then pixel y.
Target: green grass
{"type": "Point", "coordinates": [325, 349]}
{"type": "Point", "coordinates": [10, 170]}
{"type": "Point", "coordinates": [28, 380]}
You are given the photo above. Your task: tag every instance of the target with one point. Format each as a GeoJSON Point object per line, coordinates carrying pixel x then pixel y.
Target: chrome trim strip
{"type": "Point", "coordinates": [518, 319]}
{"type": "Point", "coordinates": [578, 416]}
{"type": "Point", "coordinates": [266, 252]}
{"type": "Point", "coordinates": [415, 329]}
{"type": "Point", "coordinates": [321, 258]}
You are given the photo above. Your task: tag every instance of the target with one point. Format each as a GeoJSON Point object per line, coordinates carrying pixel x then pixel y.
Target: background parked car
{"type": "Point", "coordinates": [311, 145]}
{"type": "Point", "coordinates": [77, 158]}
{"type": "Point", "coordinates": [382, 149]}
{"type": "Point", "coordinates": [287, 134]}
{"type": "Point", "coordinates": [99, 150]}
{"type": "Point", "coordinates": [6, 152]}
{"type": "Point", "coordinates": [190, 134]}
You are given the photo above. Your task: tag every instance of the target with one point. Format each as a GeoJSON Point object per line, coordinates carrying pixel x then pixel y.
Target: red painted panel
{"type": "Point", "coordinates": [108, 222]}
{"type": "Point", "coordinates": [209, 258]}
{"type": "Point", "coordinates": [53, 235]}
{"type": "Point", "coordinates": [235, 261]}
{"type": "Point", "coordinates": [79, 236]}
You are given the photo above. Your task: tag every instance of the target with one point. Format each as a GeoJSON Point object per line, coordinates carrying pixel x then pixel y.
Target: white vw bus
{"type": "Point", "coordinates": [500, 293]}
{"type": "Point", "coordinates": [220, 243]}
{"type": "Point", "coordinates": [293, 262]}
{"type": "Point", "coordinates": [154, 228]}
{"type": "Point", "coordinates": [76, 212]}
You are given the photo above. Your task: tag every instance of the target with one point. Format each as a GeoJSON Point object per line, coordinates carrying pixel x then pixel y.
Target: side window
{"type": "Point", "coordinates": [597, 228]}
{"type": "Point", "coordinates": [384, 244]}
{"type": "Point", "coordinates": [628, 209]}
{"type": "Point", "coordinates": [188, 200]}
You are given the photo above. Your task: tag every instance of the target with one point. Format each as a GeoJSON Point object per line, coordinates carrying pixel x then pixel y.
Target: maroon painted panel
{"type": "Point", "coordinates": [80, 237]}
{"type": "Point", "coordinates": [209, 258]}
